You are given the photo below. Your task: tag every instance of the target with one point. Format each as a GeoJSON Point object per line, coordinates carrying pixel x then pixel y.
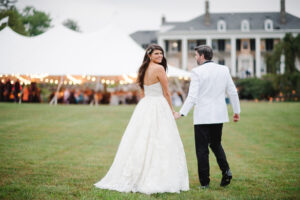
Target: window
{"type": "Point", "coordinates": [268, 25]}
{"type": "Point", "coordinates": [200, 42]}
{"type": "Point", "coordinates": [214, 44]}
{"type": "Point", "coordinates": [245, 26]}
{"type": "Point", "coordinates": [245, 45]}
{"type": "Point", "coordinates": [269, 44]}
{"type": "Point", "coordinates": [221, 26]}
{"type": "Point", "coordinates": [221, 45]}
{"type": "Point", "coordinates": [167, 45]}
{"type": "Point", "coordinates": [221, 62]}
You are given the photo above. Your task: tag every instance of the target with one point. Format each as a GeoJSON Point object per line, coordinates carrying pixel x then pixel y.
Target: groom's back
{"type": "Point", "coordinates": [211, 106]}
{"type": "Point", "coordinates": [212, 81]}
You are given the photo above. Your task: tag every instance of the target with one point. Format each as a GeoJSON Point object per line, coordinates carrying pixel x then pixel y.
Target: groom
{"type": "Point", "coordinates": [209, 83]}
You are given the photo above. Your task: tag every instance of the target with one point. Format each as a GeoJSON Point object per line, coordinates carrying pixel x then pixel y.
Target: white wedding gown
{"type": "Point", "coordinates": [150, 158]}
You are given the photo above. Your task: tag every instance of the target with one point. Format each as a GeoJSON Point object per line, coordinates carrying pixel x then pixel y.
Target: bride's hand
{"type": "Point", "coordinates": [176, 115]}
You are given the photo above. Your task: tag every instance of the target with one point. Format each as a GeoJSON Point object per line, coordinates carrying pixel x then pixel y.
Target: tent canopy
{"type": "Point", "coordinates": [61, 51]}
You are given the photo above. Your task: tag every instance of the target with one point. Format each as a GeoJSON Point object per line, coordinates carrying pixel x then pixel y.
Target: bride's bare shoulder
{"type": "Point", "coordinates": [158, 67]}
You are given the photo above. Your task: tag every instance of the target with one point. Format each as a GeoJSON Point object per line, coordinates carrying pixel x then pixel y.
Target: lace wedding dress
{"type": "Point", "coordinates": [150, 158]}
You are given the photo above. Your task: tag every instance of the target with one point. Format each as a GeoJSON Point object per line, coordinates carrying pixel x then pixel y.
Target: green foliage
{"type": "Point", "coordinates": [14, 21]}
{"type": "Point", "coordinates": [289, 51]}
{"type": "Point", "coordinates": [71, 24]}
{"type": "Point", "coordinates": [254, 88]}
{"type": "Point", "coordinates": [290, 48]}
{"type": "Point", "coordinates": [7, 4]}
{"type": "Point", "coordinates": [285, 86]}
{"type": "Point", "coordinates": [273, 59]}
{"type": "Point", "coordinates": [36, 22]}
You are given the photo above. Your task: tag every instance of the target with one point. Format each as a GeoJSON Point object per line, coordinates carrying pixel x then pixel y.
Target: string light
{"type": "Point", "coordinates": [38, 76]}
{"type": "Point", "coordinates": [127, 79]}
{"type": "Point", "coordinates": [23, 80]}
{"type": "Point", "coordinates": [76, 81]}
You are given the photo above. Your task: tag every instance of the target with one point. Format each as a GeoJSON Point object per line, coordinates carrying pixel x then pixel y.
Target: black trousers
{"type": "Point", "coordinates": [209, 134]}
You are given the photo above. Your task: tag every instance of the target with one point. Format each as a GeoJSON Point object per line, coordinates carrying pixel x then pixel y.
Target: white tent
{"type": "Point", "coordinates": [60, 51]}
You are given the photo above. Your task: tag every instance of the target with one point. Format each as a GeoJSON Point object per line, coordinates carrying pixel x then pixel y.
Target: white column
{"type": "Point", "coordinates": [208, 41]}
{"type": "Point", "coordinates": [257, 57]}
{"type": "Point", "coordinates": [233, 56]}
{"type": "Point", "coordinates": [282, 64]}
{"type": "Point", "coordinates": [160, 42]}
{"type": "Point", "coordinates": [184, 53]}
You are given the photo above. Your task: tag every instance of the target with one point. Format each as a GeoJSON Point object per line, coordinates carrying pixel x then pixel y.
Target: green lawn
{"type": "Point", "coordinates": [59, 152]}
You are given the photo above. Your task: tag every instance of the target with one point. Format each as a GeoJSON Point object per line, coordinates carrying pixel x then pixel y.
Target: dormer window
{"type": "Point", "coordinates": [221, 26]}
{"type": "Point", "coordinates": [268, 25]}
{"type": "Point", "coordinates": [245, 26]}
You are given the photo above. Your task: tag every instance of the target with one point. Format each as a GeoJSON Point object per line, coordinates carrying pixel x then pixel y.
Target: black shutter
{"type": "Point", "coordinates": [238, 44]}
{"type": "Point", "coordinates": [252, 44]}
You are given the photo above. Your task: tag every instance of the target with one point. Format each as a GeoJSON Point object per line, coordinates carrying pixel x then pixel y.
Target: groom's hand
{"type": "Point", "coordinates": [176, 115]}
{"type": "Point", "coordinates": [236, 117]}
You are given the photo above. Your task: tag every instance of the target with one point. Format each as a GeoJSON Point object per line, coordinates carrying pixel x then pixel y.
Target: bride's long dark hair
{"type": "Point", "coordinates": [146, 62]}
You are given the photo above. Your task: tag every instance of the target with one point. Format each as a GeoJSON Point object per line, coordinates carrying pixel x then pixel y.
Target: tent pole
{"type": "Point", "coordinates": [180, 89]}
{"type": "Point", "coordinates": [20, 100]}
{"type": "Point", "coordinates": [54, 99]}
{"type": "Point", "coordinates": [96, 90]}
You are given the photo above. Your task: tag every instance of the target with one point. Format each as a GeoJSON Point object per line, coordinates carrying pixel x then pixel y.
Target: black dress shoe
{"type": "Point", "coordinates": [226, 178]}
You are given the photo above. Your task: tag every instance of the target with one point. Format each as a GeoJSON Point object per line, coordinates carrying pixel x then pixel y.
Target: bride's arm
{"type": "Point", "coordinates": [162, 77]}
{"type": "Point", "coordinates": [142, 93]}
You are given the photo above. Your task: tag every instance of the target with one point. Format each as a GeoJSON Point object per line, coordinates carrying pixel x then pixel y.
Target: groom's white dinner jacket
{"type": "Point", "coordinates": [209, 84]}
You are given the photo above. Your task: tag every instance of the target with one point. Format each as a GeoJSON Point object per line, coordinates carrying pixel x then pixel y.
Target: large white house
{"type": "Point", "coordinates": [239, 40]}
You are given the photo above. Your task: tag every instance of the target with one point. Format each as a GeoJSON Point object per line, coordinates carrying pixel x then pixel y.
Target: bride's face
{"type": "Point", "coordinates": [156, 56]}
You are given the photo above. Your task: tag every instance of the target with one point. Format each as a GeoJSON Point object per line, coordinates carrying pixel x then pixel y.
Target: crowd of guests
{"type": "Point", "coordinates": [11, 92]}
{"type": "Point", "coordinates": [88, 96]}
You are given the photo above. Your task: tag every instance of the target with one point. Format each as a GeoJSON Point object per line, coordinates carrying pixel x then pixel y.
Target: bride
{"type": "Point", "coordinates": [150, 158]}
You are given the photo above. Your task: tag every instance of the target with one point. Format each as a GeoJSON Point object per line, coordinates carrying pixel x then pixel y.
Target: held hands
{"type": "Point", "coordinates": [176, 115]}
{"type": "Point", "coordinates": [236, 117]}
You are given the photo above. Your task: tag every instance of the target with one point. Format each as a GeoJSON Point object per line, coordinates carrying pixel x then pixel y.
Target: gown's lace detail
{"type": "Point", "coordinates": [150, 158]}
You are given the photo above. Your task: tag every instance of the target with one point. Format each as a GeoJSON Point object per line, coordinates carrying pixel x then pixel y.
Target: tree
{"type": "Point", "coordinates": [7, 4]}
{"type": "Point", "coordinates": [290, 48]}
{"type": "Point", "coordinates": [14, 20]}
{"type": "Point", "coordinates": [36, 22]}
{"type": "Point", "coordinates": [71, 24]}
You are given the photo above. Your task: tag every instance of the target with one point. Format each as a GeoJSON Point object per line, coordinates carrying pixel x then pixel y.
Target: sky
{"type": "Point", "coordinates": [133, 15]}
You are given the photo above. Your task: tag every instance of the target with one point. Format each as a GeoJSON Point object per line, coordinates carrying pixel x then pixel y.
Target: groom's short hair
{"type": "Point", "coordinates": [205, 50]}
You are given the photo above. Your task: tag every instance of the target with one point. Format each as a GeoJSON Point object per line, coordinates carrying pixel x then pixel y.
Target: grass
{"type": "Point", "coordinates": [59, 152]}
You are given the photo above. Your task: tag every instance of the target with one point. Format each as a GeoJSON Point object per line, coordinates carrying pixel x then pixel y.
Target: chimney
{"type": "Point", "coordinates": [282, 12]}
{"type": "Point", "coordinates": [207, 16]}
{"type": "Point", "coordinates": [163, 20]}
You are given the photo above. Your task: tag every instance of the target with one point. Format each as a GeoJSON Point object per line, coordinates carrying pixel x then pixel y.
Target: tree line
{"type": "Point", "coordinates": [29, 21]}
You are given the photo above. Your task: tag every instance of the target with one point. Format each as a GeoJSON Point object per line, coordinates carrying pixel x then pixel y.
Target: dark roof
{"type": "Point", "coordinates": [144, 37]}
{"type": "Point", "coordinates": [233, 21]}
